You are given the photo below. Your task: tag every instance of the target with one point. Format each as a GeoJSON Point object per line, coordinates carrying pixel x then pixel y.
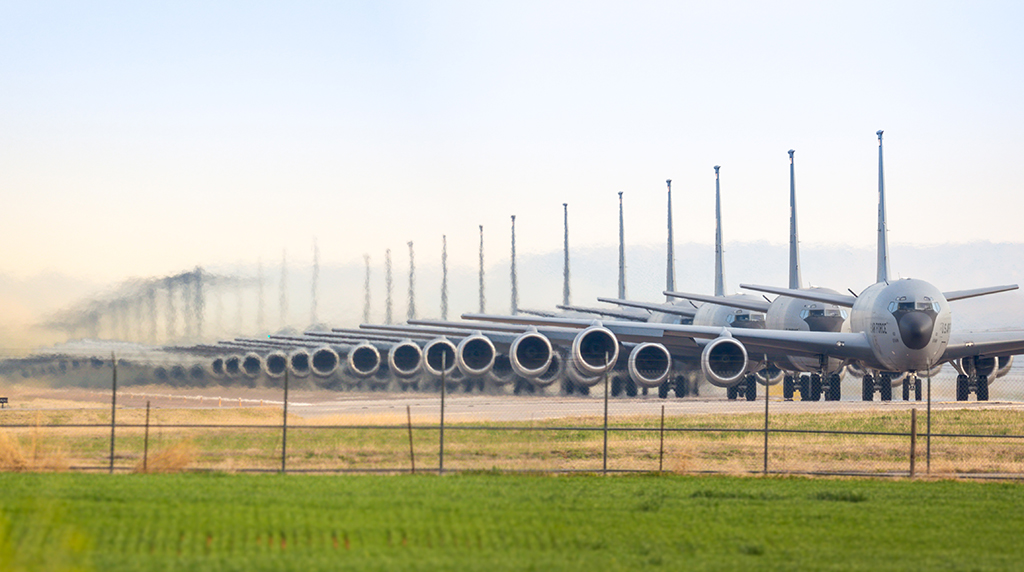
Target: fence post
{"type": "Point", "coordinates": [113, 408]}
{"type": "Point", "coordinates": [604, 455]}
{"type": "Point", "coordinates": [145, 445]}
{"type": "Point", "coordinates": [661, 447]}
{"type": "Point", "coordinates": [412, 455]}
{"type": "Point", "coordinates": [440, 464]}
{"type": "Point", "coordinates": [913, 440]}
{"type": "Point", "coordinates": [765, 469]}
{"type": "Point", "coordinates": [284, 424]}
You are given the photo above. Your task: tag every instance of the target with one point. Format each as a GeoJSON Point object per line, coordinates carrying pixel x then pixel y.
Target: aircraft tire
{"type": "Point", "coordinates": [751, 389]}
{"type": "Point", "coordinates": [867, 392]}
{"type": "Point", "coordinates": [631, 390]}
{"type": "Point", "coordinates": [731, 392]}
{"type": "Point", "coordinates": [788, 385]}
{"type": "Point", "coordinates": [815, 387]}
{"type": "Point", "coordinates": [917, 389]}
{"type": "Point", "coordinates": [682, 386]}
{"type": "Point", "coordinates": [835, 390]}
{"type": "Point", "coordinates": [886, 389]}
{"type": "Point", "coordinates": [805, 388]}
{"type": "Point", "coordinates": [982, 391]}
{"type": "Point", "coordinates": [616, 386]}
{"type": "Point", "coordinates": [962, 389]}
{"type": "Point", "coordinates": [663, 390]}
{"type": "Point", "coordinates": [906, 388]}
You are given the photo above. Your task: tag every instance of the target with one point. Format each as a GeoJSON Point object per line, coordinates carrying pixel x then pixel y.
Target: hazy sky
{"type": "Point", "coordinates": [139, 139]}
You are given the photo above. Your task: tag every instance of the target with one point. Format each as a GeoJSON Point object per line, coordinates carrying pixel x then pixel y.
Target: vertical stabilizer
{"type": "Point", "coordinates": [622, 253]}
{"type": "Point", "coordinates": [515, 278]}
{"type": "Point", "coordinates": [794, 239]}
{"type": "Point", "coordinates": [565, 266]}
{"type": "Point", "coordinates": [670, 265]}
{"type": "Point", "coordinates": [883, 231]}
{"type": "Point", "coordinates": [388, 286]}
{"type": "Point", "coordinates": [482, 299]}
{"type": "Point", "coordinates": [411, 309]}
{"type": "Point", "coordinates": [314, 285]}
{"type": "Point", "coordinates": [719, 270]}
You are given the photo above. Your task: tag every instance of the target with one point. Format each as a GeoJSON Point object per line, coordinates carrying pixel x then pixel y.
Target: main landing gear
{"type": "Point", "coordinates": [746, 388]}
{"type": "Point", "coordinates": [813, 387]}
{"type": "Point", "coordinates": [965, 385]}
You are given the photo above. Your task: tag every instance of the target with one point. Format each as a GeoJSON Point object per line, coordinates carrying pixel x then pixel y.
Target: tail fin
{"type": "Point", "coordinates": [719, 271]}
{"type": "Point", "coordinates": [794, 241]}
{"type": "Point", "coordinates": [622, 254]}
{"type": "Point", "coordinates": [670, 266]}
{"type": "Point", "coordinates": [883, 231]}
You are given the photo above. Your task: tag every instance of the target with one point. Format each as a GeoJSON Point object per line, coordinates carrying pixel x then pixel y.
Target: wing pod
{"type": "Point", "coordinates": [439, 357]}
{"type": "Point", "coordinates": [1005, 362]}
{"type": "Point", "coordinates": [530, 354]}
{"type": "Point", "coordinates": [298, 363]}
{"type": "Point", "coordinates": [501, 372]}
{"type": "Point", "coordinates": [323, 362]}
{"type": "Point", "coordinates": [649, 364]}
{"type": "Point", "coordinates": [363, 360]}
{"type": "Point", "coordinates": [233, 366]}
{"type": "Point", "coordinates": [475, 355]}
{"type": "Point", "coordinates": [553, 373]}
{"type": "Point", "coordinates": [251, 365]}
{"type": "Point", "coordinates": [770, 374]}
{"type": "Point", "coordinates": [582, 380]}
{"type": "Point", "coordinates": [275, 364]}
{"type": "Point", "coordinates": [595, 350]}
{"type": "Point", "coordinates": [217, 367]}
{"type": "Point", "coordinates": [724, 361]}
{"type": "Point", "coordinates": [405, 359]}
{"type": "Point", "coordinates": [196, 372]}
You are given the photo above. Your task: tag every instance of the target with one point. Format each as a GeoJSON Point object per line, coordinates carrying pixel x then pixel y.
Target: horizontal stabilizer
{"type": "Point", "coordinates": [815, 295]}
{"type": "Point", "coordinates": [732, 302]}
{"type": "Point", "coordinates": [654, 307]}
{"type": "Point", "coordinates": [963, 294]}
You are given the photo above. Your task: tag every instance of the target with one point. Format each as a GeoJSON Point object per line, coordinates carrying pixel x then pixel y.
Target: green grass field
{"type": "Point", "coordinates": [504, 522]}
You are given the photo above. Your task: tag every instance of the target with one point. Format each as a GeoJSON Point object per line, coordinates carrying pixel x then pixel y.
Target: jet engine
{"type": "Point", "coordinates": [363, 360]}
{"type": "Point", "coordinates": [475, 355]}
{"type": "Point", "coordinates": [724, 361]}
{"type": "Point", "coordinates": [323, 362]}
{"type": "Point", "coordinates": [251, 365]}
{"type": "Point", "coordinates": [554, 371]}
{"type": "Point", "coordinates": [405, 359]}
{"type": "Point", "coordinates": [649, 364]}
{"type": "Point", "coordinates": [439, 354]}
{"type": "Point", "coordinates": [1005, 362]}
{"type": "Point", "coordinates": [582, 380]}
{"type": "Point", "coordinates": [298, 363]}
{"type": "Point", "coordinates": [275, 364]}
{"type": "Point", "coordinates": [501, 372]}
{"type": "Point", "coordinates": [595, 350]}
{"type": "Point", "coordinates": [233, 366]}
{"type": "Point", "coordinates": [769, 375]}
{"type": "Point", "coordinates": [530, 354]}
{"type": "Point", "coordinates": [217, 368]}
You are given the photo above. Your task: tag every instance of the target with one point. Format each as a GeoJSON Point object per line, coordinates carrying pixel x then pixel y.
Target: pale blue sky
{"type": "Point", "coordinates": [141, 140]}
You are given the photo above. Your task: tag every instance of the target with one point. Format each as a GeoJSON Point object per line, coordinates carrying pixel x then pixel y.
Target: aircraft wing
{"type": "Point", "coordinates": [815, 295]}
{"type": "Point", "coordinates": [962, 294]}
{"type": "Point", "coordinates": [753, 305]}
{"type": "Point", "coordinates": [653, 307]}
{"type": "Point", "coordinates": [611, 313]}
{"type": "Point", "coordinates": [690, 339]}
{"type": "Point", "coordinates": [994, 343]}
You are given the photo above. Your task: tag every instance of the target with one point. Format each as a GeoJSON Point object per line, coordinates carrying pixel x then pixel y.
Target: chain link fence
{"type": "Point", "coordinates": [168, 417]}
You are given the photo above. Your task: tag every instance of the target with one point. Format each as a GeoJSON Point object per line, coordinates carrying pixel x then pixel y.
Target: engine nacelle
{"type": "Point", "coordinates": [323, 362]}
{"type": "Point", "coordinates": [554, 372]}
{"type": "Point", "coordinates": [650, 364]}
{"type": "Point", "coordinates": [769, 375]}
{"type": "Point", "coordinates": [530, 354]}
{"type": "Point", "coordinates": [855, 369]}
{"type": "Point", "coordinates": [977, 365]}
{"type": "Point", "coordinates": [501, 372]}
{"type": "Point", "coordinates": [582, 380]}
{"type": "Point", "coordinates": [233, 366]}
{"type": "Point", "coordinates": [405, 359]}
{"type": "Point", "coordinates": [363, 360]}
{"type": "Point", "coordinates": [298, 363]}
{"type": "Point", "coordinates": [275, 364]}
{"type": "Point", "coordinates": [439, 357]}
{"type": "Point", "coordinates": [217, 368]}
{"type": "Point", "coordinates": [1005, 363]}
{"type": "Point", "coordinates": [724, 361]}
{"type": "Point", "coordinates": [251, 365]}
{"type": "Point", "coordinates": [475, 355]}
{"type": "Point", "coordinates": [595, 350]}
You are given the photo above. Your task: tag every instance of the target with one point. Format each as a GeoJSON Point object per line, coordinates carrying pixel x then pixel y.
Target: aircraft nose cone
{"type": "Point", "coordinates": [916, 329]}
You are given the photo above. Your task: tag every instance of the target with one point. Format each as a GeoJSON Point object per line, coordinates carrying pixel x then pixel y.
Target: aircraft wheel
{"type": "Point", "coordinates": [885, 389]}
{"type": "Point", "coordinates": [663, 390]}
{"type": "Point", "coordinates": [835, 390]}
{"type": "Point", "coordinates": [917, 389]}
{"type": "Point", "coordinates": [616, 386]}
{"type": "Point", "coordinates": [788, 385]}
{"type": "Point", "coordinates": [731, 392]}
{"type": "Point", "coordinates": [751, 388]}
{"type": "Point", "coordinates": [681, 386]}
{"type": "Point", "coordinates": [568, 386]}
{"type": "Point", "coordinates": [867, 391]}
{"type": "Point", "coordinates": [805, 388]}
{"type": "Point", "coordinates": [906, 388]}
{"type": "Point", "coordinates": [815, 387]}
{"type": "Point", "coordinates": [962, 389]}
{"type": "Point", "coordinates": [583, 390]}
{"type": "Point", "coordinates": [982, 391]}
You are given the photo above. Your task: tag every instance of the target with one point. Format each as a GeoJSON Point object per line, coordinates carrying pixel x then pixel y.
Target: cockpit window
{"type": "Point", "coordinates": [744, 318]}
{"type": "Point", "coordinates": [905, 306]}
{"type": "Point", "coordinates": [822, 313]}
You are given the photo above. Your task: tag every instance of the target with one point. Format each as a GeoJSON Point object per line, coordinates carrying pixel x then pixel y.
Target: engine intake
{"type": "Point", "coordinates": [324, 362]}
{"type": "Point", "coordinates": [439, 357]}
{"type": "Point", "coordinates": [405, 359]}
{"type": "Point", "coordinates": [363, 360]}
{"type": "Point", "coordinates": [251, 365]}
{"type": "Point", "coordinates": [298, 363]}
{"type": "Point", "coordinates": [650, 364]}
{"type": "Point", "coordinates": [595, 350]}
{"type": "Point", "coordinates": [531, 354]}
{"type": "Point", "coordinates": [275, 364]}
{"type": "Point", "coordinates": [724, 361]}
{"type": "Point", "coordinates": [475, 355]}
